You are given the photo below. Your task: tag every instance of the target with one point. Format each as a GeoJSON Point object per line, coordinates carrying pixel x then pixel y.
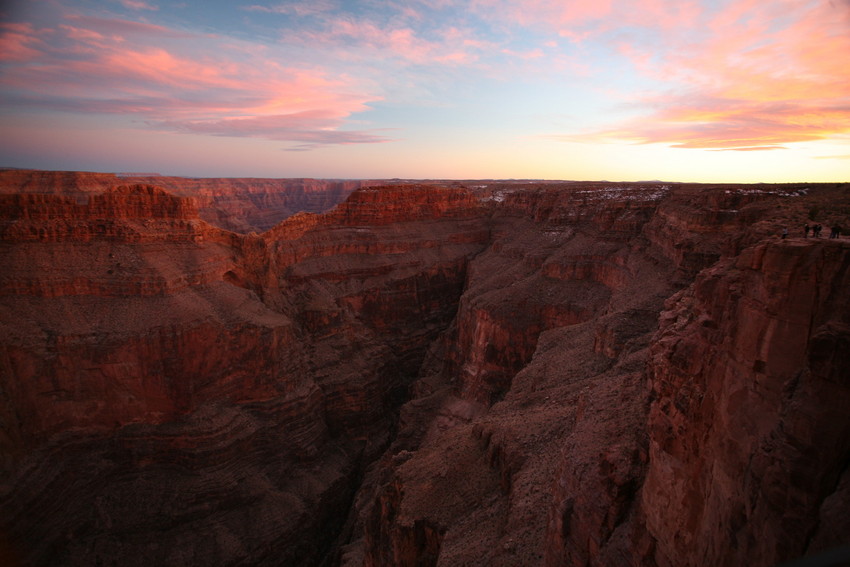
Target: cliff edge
{"type": "Point", "coordinates": [536, 374]}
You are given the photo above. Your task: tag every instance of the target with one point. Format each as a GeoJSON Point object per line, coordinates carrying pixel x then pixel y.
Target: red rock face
{"type": "Point", "coordinates": [748, 430]}
{"type": "Point", "coordinates": [246, 205]}
{"type": "Point", "coordinates": [156, 341]}
{"type": "Point", "coordinates": [548, 474]}
{"type": "Point", "coordinates": [375, 284]}
{"type": "Point", "coordinates": [105, 310]}
{"type": "Point", "coordinates": [240, 205]}
{"type": "Point", "coordinates": [423, 375]}
{"type": "Point", "coordinates": [570, 435]}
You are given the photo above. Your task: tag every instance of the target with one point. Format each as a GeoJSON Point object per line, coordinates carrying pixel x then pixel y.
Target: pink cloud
{"type": "Point", "coordinates": [530, 54]}
{"type": "Point", "coordinates": [757, 75]}
{"type": "Point", "coordinates": [544, 13]}
{"type": "Point", "coordinates": [115, 27]}
{"type": "Point", "coordinates": [313, 8]}
{"type": "Point", "coordinates": [312, 127]}
{"type": "Point", "coordinates": [363, 39]}
{"type": "Point", "coordinates": [82, 34]}
{"type": "Point", "coordinates": [199, 86]}
{"type": "Point", "coordinates": [683, 121]}
{"type": "Point", "coordinates": [582, 19]}
{"type": "Point", "coordinates": [398, 42]}
{"type": "Point", "coordinates": [19, 42]}
{"type": "Point", "coordinates": [668, 16]}
{"type": "Point", "coordinates": [138, 5]}
{"type": "Point", "coordinates": [159, 67]}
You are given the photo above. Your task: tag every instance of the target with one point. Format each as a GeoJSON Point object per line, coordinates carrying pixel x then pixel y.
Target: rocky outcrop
{"type": "Point", "coordinates": [519, 397]}
{"type": "Point", "coordinates": [424, 375]}
{"type": "Point", "coordinates": [61, 182]}
{"type": "Point", "coordinates": [238, 204]}
{"type": "Point", "coordinates": [227, 483]}
{"type": "Point", "coordinates": [748, 428]}
{"type": "Point", "coordinates": [553, 471]}
{"type": "Point", "coordinates": [122, 213]}
{"type": "Point", "coordinates": [557, 259]}
{"type": "Point", "coordinates": [108, 311]}
{"type": "Point", "coordinates": [155, 355]}
{"type": "Point", "coordinates": [246, 205]}
{"type": "Point", "coordinates": [374, 282]}
{"type": "Point", "coordinates": [697, 225]}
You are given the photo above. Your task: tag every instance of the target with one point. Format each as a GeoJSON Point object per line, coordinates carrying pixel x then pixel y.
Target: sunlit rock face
{"type": "Point", "coordinates": [549, 374]}
{"type": "Point", "coordinates": [238, 204]}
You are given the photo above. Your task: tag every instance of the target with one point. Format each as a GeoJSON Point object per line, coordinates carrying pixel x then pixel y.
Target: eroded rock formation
{"type": "Point", "coordinates": [551, 374]}
{"type": "Point", "coordinates": [238, 204]}
{"type": "Point", "coordinates": [749, 434]}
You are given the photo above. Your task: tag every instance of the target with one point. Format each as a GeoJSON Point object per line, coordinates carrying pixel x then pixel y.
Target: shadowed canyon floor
{"type": "Point", "coordinates": [479, 373]}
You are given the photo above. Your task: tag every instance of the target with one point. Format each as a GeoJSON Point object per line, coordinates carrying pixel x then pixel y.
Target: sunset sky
{"type": "Point", "coordinates": [679, 90]}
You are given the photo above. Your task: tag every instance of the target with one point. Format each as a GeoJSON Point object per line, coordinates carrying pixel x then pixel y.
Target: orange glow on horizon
{"type": "Point", "coordinates": [527, 89]}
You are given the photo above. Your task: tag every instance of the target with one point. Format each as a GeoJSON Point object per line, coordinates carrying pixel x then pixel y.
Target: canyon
{"type": "Point", "coordinates": [371, 373]}
{"type": "Point", "coordinates": [237, 204]}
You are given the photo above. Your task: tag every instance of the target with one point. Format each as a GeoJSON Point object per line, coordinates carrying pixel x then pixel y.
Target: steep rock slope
{"type": "Point", "coordinates": [373, 282]}
{"type": "Point", "coordinates": [98, 295]}
{"type": "Point", "coordinates": [142, 391]}
{"type": "Point", "coordinates": [246, 205]}
{"type": "Point", "coordinates": [423, 376]}
{"type": "Point", "coordinates": [548, 337]}
{"type": "Point", "coordinates": [186, 395]}
{"type": "Point", "coordinates": [239, 204]}
{"type": "Point", "coordinates": [530, 436]}
{"type": "Point", "coordinates": [749, 436]}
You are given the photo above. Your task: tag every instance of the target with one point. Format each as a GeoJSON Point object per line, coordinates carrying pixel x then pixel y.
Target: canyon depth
{"type": "Point", "coordinates": [212, 372]}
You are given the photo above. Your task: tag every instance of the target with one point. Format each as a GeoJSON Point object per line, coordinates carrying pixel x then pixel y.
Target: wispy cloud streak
{"type": "Point", "coordinates": [755, 75]}
{"type": "Point", "coordinates": [498, 77]}
{"type": "Point", "coordinates": [175, 80]}
{"type": "Point", "coordinates": [138, 5]}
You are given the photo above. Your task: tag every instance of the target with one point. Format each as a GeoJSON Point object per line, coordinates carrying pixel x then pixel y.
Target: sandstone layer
{"type": "Point", "coordinates": [238, 204]}
{"type": "Point", "coordinates": [749, 435]}
{"type": "Point", "coordinates": [509, 374]}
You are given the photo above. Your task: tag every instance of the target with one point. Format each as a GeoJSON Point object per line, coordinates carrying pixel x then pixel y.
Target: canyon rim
{"type": "Point", "coordinates": [319, 372]}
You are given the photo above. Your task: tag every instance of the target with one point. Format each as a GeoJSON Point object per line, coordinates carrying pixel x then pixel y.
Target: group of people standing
{"type": "Point", "coordinates": [815, 230]}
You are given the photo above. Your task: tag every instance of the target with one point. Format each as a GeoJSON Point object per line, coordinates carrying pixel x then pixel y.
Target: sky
{"type": "Point", "coordinates": [620, 90]}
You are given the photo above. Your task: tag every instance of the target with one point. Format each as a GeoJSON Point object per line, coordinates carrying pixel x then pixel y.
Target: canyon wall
{"type": "Point", "coordinates": [749, 435]}
{"type": "Point", "coordinates": [533, 437]}
{"type": "Point", "coordinates": [164, 378]}
{"type": "Point", "coordinates": [535, 374]}
{"type": "Point", "coordinates": [238, 204]}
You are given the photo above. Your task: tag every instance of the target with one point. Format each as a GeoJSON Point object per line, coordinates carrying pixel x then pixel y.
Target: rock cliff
{"type": "Point", "coordinates": [158, 371]}
{"type": "Point", "coordinates": [748, 430]}
{"type": "Point", "coordinates": [238, 204]}
{"type": "Point", "coordinates": [536, 374]}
